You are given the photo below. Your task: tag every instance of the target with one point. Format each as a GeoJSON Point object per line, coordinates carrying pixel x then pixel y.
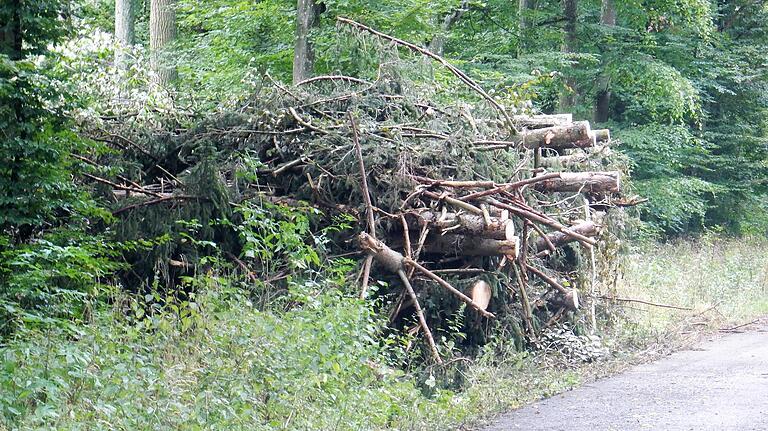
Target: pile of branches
{"type": "Point", "coordinates": [463, 206]}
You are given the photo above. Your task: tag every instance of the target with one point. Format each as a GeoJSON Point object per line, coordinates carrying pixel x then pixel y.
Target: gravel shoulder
{"type": "Point", "coordinates": [720, 384]}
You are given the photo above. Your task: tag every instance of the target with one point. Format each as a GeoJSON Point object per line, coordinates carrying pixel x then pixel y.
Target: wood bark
{"type": "Point", "coordinates": [125, 36]}
{"type": "Point", "coordinates": [162, 33]}
{"type": "Point", "coordinates": [603, 100]}
{"type": "Point", "coordinates": [585, 182]}
{"type": "Point", "coordinates": [566, 161]}
{"type": "Point", "coordinates": [559, 239]}
{"type": "Point", "coordinates": [462, 223]}
{"type": "Point", "coordinates": [461, 245]}
{"type": "Point", "coordinates": [307, 18]}
{"type": "Point", "coordinates": [542, 120]}
{"type": "Point", "coordinates": [576, 135]}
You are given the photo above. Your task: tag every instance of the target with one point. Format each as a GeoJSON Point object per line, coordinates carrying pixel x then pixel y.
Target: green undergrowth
{"type": "Point", "coordinates": [320, 359]}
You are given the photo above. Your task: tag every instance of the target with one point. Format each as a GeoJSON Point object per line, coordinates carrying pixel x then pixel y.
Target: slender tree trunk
{"type": "Point", "coordinates": [437, 45]}
{"type": "Point", "coordinates": [602, 103]}
{"type": "Point", "coordinates": [10, 30]}
{"type": "Point", "coordinates": [162, 33]}
{"type": "Point", "coordinates": [125, 13]}
{"type": "Point", "coordinates": [307, 17]}
{"type": "Point", "coordinates": [570, 45]}
{"type": "Point", "coordinates": [524, 7]}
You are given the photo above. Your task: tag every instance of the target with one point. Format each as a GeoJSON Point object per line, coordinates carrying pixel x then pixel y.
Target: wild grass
{"type": "Point", "coordinates": [723, 282]}
{"type": "Point", "coordinates": [219, 362]}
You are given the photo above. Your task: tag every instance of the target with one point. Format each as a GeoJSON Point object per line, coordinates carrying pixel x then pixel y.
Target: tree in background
{"type": "Point", "coordinates": [162, 34]}
{"type": "Point", "coordinates": [125, 36]}
{"type": "Point", "coordinates": [307, 17]}
{"type": "Point", "coordinates": [603, 99]}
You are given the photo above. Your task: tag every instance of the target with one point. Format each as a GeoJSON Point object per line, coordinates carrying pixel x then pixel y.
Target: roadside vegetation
{"type": "Point", "coordinates": [222, 362]}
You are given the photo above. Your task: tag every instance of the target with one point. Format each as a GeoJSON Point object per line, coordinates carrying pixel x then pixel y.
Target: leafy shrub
{"type": "Point", "coordinates": [53, 279]}
{"type": "Point", "coordinates": [317, 366]}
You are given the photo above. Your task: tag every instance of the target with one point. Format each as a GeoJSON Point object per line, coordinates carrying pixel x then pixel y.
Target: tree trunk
{"type": "Point", "coordinates": [437, 45]}
{"type": "Point", "coordinates": [570, 45]}
{"type": "Point", "coordinates": [559, 239]}
{"type": "Point", "coordinates": [307, 17]}
{"type": "Point", "coordinates": [586, 182]}
{"type": "Point", "coordinates": [125, 13]}
{"type": "Point", "coordinates": [602, 103]}
{"type": "Point", "coordinates": [10, 31]}
{"type": "Point", "coordinates": [162, 33]}
{"type": "Point", "coordinates": [524, 6]}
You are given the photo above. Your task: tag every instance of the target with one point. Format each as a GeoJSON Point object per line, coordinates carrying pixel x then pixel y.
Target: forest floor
{"type": "Point", "coordinates": [719, 384]}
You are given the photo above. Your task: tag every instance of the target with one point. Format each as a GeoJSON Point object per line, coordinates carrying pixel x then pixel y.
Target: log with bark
{"type": "Point", "coordinates": [559, 239]}
{"type": "Point", "coordinates": [575, 135]}
{"type": "Point", "coordinates": [583, 182]}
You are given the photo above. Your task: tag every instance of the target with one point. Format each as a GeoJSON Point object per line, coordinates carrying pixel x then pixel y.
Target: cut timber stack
{"type": "Point", "coordinates": [455, 204]}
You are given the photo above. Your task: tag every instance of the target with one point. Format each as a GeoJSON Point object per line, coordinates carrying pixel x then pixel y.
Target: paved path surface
{"type": "Point", "coordinates": [722, 385]}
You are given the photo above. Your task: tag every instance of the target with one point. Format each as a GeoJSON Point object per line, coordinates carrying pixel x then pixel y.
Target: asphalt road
{"type": "Point", "coordinates": [722, 384]}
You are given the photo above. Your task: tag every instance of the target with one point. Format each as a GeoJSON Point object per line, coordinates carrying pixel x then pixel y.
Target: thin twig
{"type": "Point", "coordinates": [120, 187]}
{"type": "Point", "coordinates": [157, 201]}
{"type": "Point", "coordinates": [640, 301]}
{"type": "Point", "coordinates": [332, 78]}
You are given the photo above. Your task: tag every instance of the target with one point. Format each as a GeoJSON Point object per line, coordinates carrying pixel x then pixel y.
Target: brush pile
{"type": "Point", "coordinates": [459, 208]}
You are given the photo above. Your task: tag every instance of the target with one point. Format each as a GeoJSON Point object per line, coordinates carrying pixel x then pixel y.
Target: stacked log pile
{"type": "Point", "coordinates": [455, 206]}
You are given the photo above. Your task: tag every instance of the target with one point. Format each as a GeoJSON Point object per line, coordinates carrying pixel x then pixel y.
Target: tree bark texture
{"type": "Point", "coordinates": [576, 135]}
{"type": "Point", "coordinates": [559, 239]}
{"type": "Point", "coordinates": [307, 17]}
{"type": "Point", "coordinates": [603, 100]}
{"type": "Point", "coordinates": [461, 245]}
{"type": "Point", "coordinates": [585, 182]}
{"type": "Point", "coordinates": [570, 45]}
{"type": "Point", "coordinates": [542, 120]}
{"type": "Point", "coordinates": [162, 33]}
{"type": "Point", "coordinates": [125, 36]}
{"type": "Point", "coordinates": [462, 223]}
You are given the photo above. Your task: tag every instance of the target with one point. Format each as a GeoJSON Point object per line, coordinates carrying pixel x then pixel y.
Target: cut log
{"type": "Point", "coordinates": [461, 245]}
{"type": "Point", "coordinates": [559, 239]}
{"type": "Point", "coordinates": [462, 223]}
{"type": "Point", "coordinates": [481, 293]}
{"type": "Point", "coordinates": [578, 157]}
{"type": "Point", "coordinates": [602, 135]}
{"type": "Point", "coordinates": [564, 161]}
{"type": "Point", "coordinates": [542, 120]}
{"type": "Point", "coordinates": [576, 135]}
{"type": "Point", "coordinates": [585, 182]}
